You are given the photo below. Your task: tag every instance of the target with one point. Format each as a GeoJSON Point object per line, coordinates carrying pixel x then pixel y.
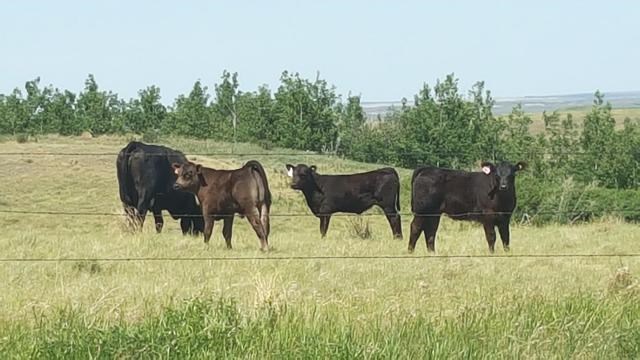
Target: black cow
{"type": "Point", "coordinates": [355, 193]}
{"type": "Point", "coordinates": [488, 197]}
{"type": "Point", "coordinates": [146, 179]}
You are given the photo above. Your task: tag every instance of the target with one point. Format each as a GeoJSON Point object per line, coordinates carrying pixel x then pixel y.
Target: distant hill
{"type": "Point", "coordinates": [531, 104]}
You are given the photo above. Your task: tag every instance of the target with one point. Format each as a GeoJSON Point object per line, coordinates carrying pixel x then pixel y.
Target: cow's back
{"type": "Point", "coordinates": [358, 192]}
{"type": "Point", "coordinates": [434, 189]}
{"type": "Point", "coordinates": [467, 194]}
{"type": "Point", "coordinates": [147, 168]}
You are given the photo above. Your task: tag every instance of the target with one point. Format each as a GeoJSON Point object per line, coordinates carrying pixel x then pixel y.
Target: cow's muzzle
{"type": "Point", "coordinates": [176, 186]}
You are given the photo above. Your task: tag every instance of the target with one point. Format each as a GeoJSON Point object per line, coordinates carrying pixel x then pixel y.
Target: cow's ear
{"type": "Point", "coordinates": [203, 182]}
{"type": "Point", "coordinates": [313, 168]}
{"type": "Point", "coordinates": [176, 168]}
{"type": "Point", "coordinates": [521, 165]}
{"type": "Point", "coordinates": [487, 167]}
{"type": "Point", "coordinates": [289, 170]}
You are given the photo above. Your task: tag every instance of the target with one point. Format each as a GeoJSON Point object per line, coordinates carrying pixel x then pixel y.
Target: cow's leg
{"type": "Point", "coordinates": [157, 216]}
{"type": "Point", "coordinates": [430, 228]}
{"type": "Point", "coordinates": [144, 201]}
{"type": "Point", "coordinates": [264, 219]}
{"type": "Point", "coordinates": [208, 227]}
{"type": "Point", "coordinates": [324, 224]}
{"type": "Point", "coordinates": [394, 221]}
{"type": "Point", "coordinates": [227, 230]}
{"type": "Point", "coordinates": [185, 226]}
{"type": "Point", "coordinates": [490, 233]}
{"type": "Point", "coordinates": [131, 216]}
{"type": "Point", "coordinates": [416, 229]}
{"type": "Point", "coordinates": [503, 228]}
{"type": "Point", "coordinates": [141, 215]}
{"type": "Point", "coordinates": [254, 220]}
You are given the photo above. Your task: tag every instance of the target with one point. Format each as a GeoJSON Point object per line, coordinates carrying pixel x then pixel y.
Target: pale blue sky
{"type": "Point", "coordinates": [383, 50]}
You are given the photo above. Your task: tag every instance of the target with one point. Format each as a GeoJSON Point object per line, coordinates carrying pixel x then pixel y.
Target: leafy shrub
{"type": "Point", "coordinates": [22, 138]}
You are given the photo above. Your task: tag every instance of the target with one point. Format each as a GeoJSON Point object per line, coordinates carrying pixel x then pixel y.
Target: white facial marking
{"type": "Point", "coordinates": [290, 172]}
{"type": "Point", "coordinates": [486, 170]}
{"type": "Point", "coordinates": [176, 171]}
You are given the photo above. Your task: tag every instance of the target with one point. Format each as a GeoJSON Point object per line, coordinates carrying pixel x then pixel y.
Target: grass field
{"type": "Point", "coordinates": [620, 114]}
{"type": "Point", "coordinates": [486, 307]}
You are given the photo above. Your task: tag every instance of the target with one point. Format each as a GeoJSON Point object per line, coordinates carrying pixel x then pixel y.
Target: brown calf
{"type": "Point", "coordinates": [223, 193]}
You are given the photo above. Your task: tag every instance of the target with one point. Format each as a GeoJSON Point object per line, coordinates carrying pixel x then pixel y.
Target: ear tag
{"type": "Point", "coordinates": [290, 172]}
{"type": "Point", "coordinates": [176, 171]}
{"type": "Point", "coordinates": [486, 170]}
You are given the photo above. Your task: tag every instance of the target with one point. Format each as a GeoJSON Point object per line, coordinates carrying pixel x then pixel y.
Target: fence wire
{"type": "Point", "coordinates": [415, 153]}
{"type": "Point", "coordinates": [465, 214]}
{"type": "Point", "coordinates": [320, 258]}
{"type": "Point", "coordinates": [575, 212]}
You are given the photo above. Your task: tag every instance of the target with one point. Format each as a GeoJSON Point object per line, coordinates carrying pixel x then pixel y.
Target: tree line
{"type": "Point", "coordinates": [578, 169]}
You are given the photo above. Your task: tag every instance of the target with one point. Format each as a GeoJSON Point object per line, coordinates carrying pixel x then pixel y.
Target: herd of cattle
{"type": "Point", "coordinates": [157, 178]}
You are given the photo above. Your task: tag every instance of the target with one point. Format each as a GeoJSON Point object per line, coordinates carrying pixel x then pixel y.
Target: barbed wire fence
{"type": "Point", "coordinates": [268, 257]}
{"type": "Point", "coordinates": [304, 153]}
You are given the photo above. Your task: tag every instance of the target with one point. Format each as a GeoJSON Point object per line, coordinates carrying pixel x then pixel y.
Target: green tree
{"type": "Point", "coordinates": [146, 113]}
{"type": "Point", "coordinates": [191, 114]}
{"type": "Point", "coordinates": [61, 113]}
{"type": "Point", "coordinates": [225, 107]}
{"type": "Point", "coordinates": [561, 143]}
{"type": "Point", "coordinates": [351, 121]}
{"type": "Point", "coordinates": [97, 111]}
{"type": "Point", "coordinates": [256, 114]}
{"type": "Point", "coordinates": [597, 137]}
{"type": "Point", "coordinates": [305, 113]}
{"type": "Point", "coordinates": [518, 143]}
{"type": "Point", "coordinates": [15, 114]}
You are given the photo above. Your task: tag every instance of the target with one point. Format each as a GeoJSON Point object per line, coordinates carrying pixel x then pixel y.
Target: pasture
{"type": "Point", "coordinates": [580, 113]}
{"type": "Point", "coordinates": [260, 307]}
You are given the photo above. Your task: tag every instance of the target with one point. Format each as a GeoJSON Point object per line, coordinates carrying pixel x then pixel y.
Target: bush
{"type": "Point", "coordinates": [567, 201]}
{"type": "Point", "coordinates": [22, 138]}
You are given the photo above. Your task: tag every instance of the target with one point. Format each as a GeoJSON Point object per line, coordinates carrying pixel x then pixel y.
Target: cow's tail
{"type": "Point", "coordinates": [264, 208]}
{"type": "Point", "coordinates": [397, 189]}
{"type": "Point", "coordinates": [392, 171]}
{"type": "Point", "coordinates": [257, 167]}
{"type": "Point", "coordinates": [125, 181]}
{"type": "Point", "coordinates": [415, 174]}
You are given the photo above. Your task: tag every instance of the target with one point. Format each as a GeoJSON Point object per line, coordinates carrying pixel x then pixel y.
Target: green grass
{"type": "Point", "coordinates": [419, 307]}
{"type": "Point", "coordinates": [577, 327]}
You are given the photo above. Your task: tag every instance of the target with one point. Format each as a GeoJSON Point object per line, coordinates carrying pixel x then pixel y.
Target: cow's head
{"type": "Point", "coordinates": [189, 176]}
{"type": "Point", "coordinates": [301, 176]}
{"type": "Point", "coordinates": [504, 173]}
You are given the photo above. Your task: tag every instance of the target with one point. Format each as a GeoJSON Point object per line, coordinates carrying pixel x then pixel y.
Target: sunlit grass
{"type": "Point", "coordinates": [579, 114]}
